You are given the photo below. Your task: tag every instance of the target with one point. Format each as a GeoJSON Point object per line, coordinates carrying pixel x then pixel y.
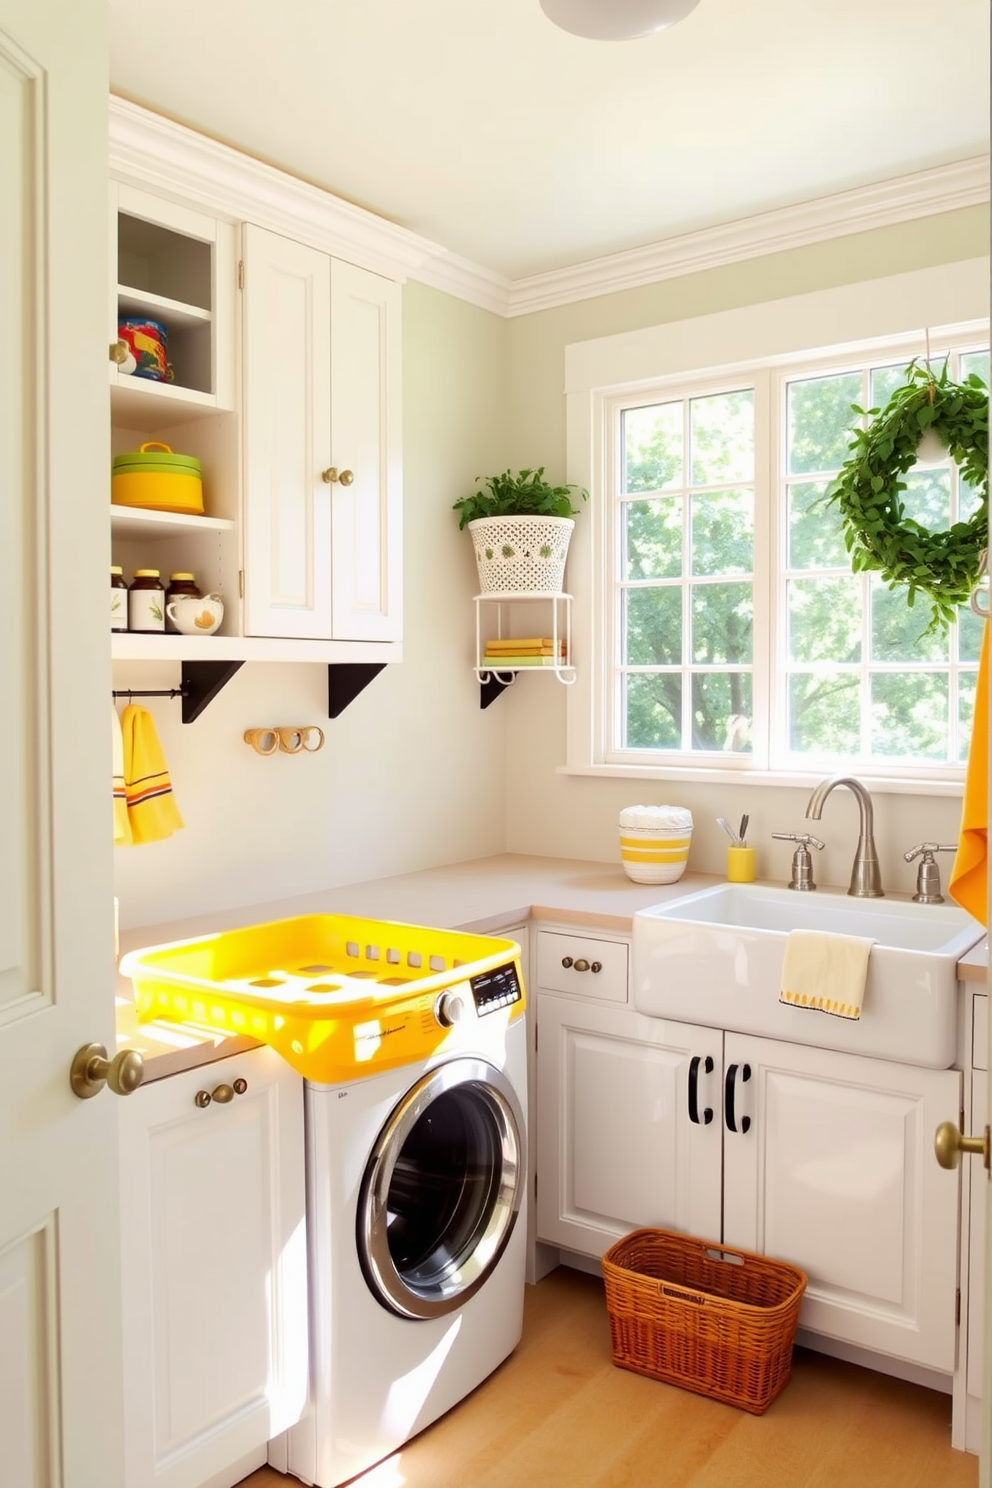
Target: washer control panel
{"type": "Point", "coordinates": [494, 989]}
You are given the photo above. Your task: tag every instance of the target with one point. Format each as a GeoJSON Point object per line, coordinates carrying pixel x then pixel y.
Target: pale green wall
{"type": "Point", "coordinates": [575, 816]}
{"type": "Point", "coordinates": [537, 342]}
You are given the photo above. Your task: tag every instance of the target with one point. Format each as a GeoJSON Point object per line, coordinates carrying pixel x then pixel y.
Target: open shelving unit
{"type": "Point", "coordinates": [493, 621]}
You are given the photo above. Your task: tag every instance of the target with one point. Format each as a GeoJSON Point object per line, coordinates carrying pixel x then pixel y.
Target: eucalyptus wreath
{"type": "Point", "coordinates": [943, 566]}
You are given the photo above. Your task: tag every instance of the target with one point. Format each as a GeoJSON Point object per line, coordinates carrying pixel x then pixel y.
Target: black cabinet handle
{"type": "Point", "coordinates": [729, 1091]}
{"type": "Point", "coordinates": [694, 1090]}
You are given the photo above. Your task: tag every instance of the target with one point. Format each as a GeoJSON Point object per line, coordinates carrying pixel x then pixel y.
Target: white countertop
{"type": "Point", "coordinates": [485, 895]}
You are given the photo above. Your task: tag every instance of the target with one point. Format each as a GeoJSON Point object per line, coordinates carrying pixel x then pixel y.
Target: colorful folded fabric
{"type": "Point", "coordinates": [969, 877]}
{"type": "Point", "coordinates": [151, 806]}
{"type": "Point", "coordinates": [122, 827]}
{"type": "Point", "coordinates": [523, 643]}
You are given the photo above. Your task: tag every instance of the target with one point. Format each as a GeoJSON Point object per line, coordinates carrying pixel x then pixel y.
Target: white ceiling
{"type": "Point", "coordinates": [479, 125]}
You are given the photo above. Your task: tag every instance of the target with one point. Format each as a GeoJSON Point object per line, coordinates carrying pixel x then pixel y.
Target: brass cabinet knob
{"type": "Point", "coordinates": [566, 961]}
{"type": "Point", "coordinates": [582, 964]}
{"type": "Point", "coordinates": [222, 1094]}
{"type": "Point", "coordinates": [948, 1144]}
{"type": "Point", "coordinates": [347, 477]}
{"type": "Point", "coordinates": [596, 966]}
{"type": "Point", "coordinates": [91, 1070]}
{"type": "Point", "coordinates": [332, 474]}
{"type": "Point", "coordinates": [119, 352]}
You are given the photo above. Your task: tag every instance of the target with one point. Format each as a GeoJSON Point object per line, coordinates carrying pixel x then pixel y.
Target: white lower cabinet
{"type": "Point", "coordinates": [836, 1173]}
{"type": "Point", "coordinates": [213, 1268]}
{"type": "Point", "coordinates": [616, 1143]}
{"type": "Point", "coordinates": [815, 1157]}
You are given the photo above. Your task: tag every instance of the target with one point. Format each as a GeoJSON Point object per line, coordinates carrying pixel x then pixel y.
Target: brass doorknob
{"type": "Point", "coordinates": [332, 474]}
{"type": "Point", "coordinates": [119, 351]}
{"type": "Point", "coordinates": [91, 1070]}
{"type": "Point", "coordinates": [948, 1144]}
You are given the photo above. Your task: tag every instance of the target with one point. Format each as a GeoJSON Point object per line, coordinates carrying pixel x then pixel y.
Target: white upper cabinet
{"type": "Point", "coordinates": [321, 421]}
{"type": "Point", "coordinates": [282, 307]}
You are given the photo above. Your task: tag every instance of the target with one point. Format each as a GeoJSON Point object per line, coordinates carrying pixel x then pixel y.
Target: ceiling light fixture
{"type": "Point", "coordinates": [616, 20]}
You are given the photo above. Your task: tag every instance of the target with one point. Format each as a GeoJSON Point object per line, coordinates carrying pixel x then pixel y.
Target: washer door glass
{"type": "Point", "coordinates": [442, 1189]}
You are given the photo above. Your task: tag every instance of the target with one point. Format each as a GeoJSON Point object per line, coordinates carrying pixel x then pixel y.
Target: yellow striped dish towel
{"type": "Point", "coordinates": [122, 827]}
{"type": "Point", "coordinates": [151, 806]}
{"type": "Point", "coordinates": [825, 972]}
{"type": "Point", "coordinates": [969, 877]}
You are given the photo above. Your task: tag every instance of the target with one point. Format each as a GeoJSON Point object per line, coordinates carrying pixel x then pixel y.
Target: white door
{"type": "Point", "coordinates": [60, 1367]}
{"type": "Point", "coordinates": [628, 1125]}
{"type": "Point", "coordinates": [366, 434]}
{"type": "Point", "coordinates": [835, 1173]}
{"type": "Point", "coordinates": [287, 437]}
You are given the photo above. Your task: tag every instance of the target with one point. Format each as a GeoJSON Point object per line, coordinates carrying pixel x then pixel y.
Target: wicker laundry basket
{"type": "Point", "coordinates": [708, 1318]}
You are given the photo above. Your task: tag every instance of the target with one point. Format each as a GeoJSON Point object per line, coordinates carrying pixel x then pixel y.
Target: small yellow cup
{"type": "Point", "coordinates": [741, 864]}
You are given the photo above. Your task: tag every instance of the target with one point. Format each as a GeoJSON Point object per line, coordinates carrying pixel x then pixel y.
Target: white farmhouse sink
{"type": "Point", "coordinates": [715, 957]}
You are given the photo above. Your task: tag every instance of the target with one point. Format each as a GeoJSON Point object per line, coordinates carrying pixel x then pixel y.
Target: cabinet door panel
{"type": "Point", "coordinates": [616, 1148]}
{"type": "Point", "coordinates": [367, 515]}
{"type": "Point", "coordinates": [287, 437]}
{"type": "Point", "coordinates": [214, 1269]}
{"type": "Point", "coordinates": [837, 1174]}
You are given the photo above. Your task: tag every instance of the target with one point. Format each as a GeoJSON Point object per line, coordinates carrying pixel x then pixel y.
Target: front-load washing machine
{"type": "Point", "coordinates": [416, 1182]}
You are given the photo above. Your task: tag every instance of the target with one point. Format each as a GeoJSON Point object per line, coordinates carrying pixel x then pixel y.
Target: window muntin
{"type": "Point", "coordinates": [847, 675]}
{"type": "Point", "coordinates": [685, 587]}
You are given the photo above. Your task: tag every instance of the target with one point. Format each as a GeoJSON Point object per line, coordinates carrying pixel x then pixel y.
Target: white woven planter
{"type": "Point", "coordinates": [518, 555]}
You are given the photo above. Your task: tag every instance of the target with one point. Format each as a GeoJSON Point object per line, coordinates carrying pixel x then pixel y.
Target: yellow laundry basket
{"type": "Point", "coordinates": [335, 995]}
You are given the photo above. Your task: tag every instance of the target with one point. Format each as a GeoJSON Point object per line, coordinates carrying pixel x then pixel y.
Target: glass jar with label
{"type": "Point", "coordinates": [180, 585]}
{"type": "Point", "coordinates": [146, 602]}
{"type": "Point", "coordinates": [118, 599]}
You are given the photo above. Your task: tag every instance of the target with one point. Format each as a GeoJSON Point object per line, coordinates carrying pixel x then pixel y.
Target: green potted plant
{"type": "Point", "coordinates": [520, 526]}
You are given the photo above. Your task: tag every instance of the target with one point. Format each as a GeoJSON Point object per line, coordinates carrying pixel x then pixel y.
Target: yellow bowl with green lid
{"type": "Point", "coordinates": [157, 479]}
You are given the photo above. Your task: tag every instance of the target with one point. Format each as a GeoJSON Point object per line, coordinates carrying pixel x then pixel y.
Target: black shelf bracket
{"type": "Point", "coordinates": [345, 680]}
{"type": "Point", "coordinates": [201, 682]}
{"type": "Point", "coordinates": [490, 688]}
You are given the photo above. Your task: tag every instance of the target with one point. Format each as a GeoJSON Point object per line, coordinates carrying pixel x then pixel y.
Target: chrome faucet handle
{"type": "Point", "coordinates": [928, 874]}
{"type": "Point", "coordinates": [802, 861]}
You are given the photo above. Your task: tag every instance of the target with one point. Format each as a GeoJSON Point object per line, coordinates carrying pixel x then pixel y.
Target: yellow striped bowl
{"type": "Point", "coordinates": [654, 855]}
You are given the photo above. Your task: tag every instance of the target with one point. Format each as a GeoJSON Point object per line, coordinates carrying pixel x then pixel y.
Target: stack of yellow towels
{"type": "Point", "coordinates": [525, 651]}
{"type": "Point", "coordinates": [145, 808]}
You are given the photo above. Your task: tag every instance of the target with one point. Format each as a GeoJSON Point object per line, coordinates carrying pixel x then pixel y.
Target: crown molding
{"type": "Point", "coordinates": [467, 281]}
{"type": "Point", "coordinates": [150, 151]}
{"type": "Point", "coordinates": [922, 194]}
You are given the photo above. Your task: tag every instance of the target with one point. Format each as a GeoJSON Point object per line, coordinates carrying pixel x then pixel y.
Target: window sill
{"type": "Point", "coordinates": [780, 779]}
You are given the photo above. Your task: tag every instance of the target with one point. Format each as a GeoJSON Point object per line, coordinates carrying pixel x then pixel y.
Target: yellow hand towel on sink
{"type": "Point", "coordinates": [826, 972]}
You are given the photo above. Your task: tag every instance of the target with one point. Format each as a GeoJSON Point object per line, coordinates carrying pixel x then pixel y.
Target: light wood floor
{"type": "Point", "coordinates": [558, 1414]}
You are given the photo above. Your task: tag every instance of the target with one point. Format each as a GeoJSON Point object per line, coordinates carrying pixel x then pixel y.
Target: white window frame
{"type": "Point", "coordinates": [870, 320]}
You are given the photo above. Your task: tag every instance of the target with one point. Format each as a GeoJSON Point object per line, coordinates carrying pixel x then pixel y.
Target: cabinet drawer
{"type": "Point", "coordinates": [980, 1033]}
{"type": "Point", "coordinates": [595, 968]}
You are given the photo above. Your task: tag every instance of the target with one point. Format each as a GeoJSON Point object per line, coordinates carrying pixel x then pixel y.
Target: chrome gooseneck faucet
{"type": "Point", "coordinates": [866, 880]}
